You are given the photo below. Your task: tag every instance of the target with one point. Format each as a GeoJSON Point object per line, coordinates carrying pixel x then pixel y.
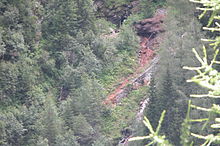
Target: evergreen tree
{"type": "Point", "coordinates": [154, 107]}
{"type": "Point", "coordinates": [12, 129]}
{"type": "Point", "coordinates": [50, 124]}
{"type": "Point", "coordinates": [87, 100]}
{"type": "Point", "coordinates": [61, 20]}
{"type": "Point", "coordinates": [85, 15]}
{"type": "Point", "coordinates": [84, 132]}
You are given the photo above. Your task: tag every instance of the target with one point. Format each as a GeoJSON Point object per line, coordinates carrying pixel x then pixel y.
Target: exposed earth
{"type": "Point", "coordinates": [149, 31]}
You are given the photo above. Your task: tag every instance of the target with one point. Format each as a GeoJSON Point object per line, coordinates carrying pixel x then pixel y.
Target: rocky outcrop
{"type": "Point", "coordinates": [116, 14]}
{"type": "Point", "coordinates": [152, 26]}
{"type": "Point", "coordinates": [141, 80]}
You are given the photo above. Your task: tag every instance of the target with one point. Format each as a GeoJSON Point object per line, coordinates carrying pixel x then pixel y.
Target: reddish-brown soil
{"type": "Point", "coordinates": [148, 31]}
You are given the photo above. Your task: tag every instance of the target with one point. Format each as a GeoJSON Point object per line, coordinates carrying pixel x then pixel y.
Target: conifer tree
{"type": "Point", "coordinates": [85, 15]}
{"type": "Point", "coordinates": [154, 104]}
{"type": "Point", "coordinates": [50, 123]}
{"type": "Point", "coordinates": [87, 100]}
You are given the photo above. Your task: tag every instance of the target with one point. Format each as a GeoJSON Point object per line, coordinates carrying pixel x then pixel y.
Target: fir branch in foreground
{"type": "Point", "coordinates": [154, 136]}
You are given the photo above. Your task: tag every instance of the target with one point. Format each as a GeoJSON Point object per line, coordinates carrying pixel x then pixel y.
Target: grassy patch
{"type": "Point", "coordinates": [112, 76]}
{"type": "Point", "coordinates": [123, 114]}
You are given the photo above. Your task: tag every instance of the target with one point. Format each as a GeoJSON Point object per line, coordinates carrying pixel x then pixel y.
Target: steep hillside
{"type": "Point", "coordinates": [60, 59]}
{"type": "Point", "coordinates": [149, 31]}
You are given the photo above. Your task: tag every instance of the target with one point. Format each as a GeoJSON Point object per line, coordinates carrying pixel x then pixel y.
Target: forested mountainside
{"type": "Point", "coordinates": [84, 72]}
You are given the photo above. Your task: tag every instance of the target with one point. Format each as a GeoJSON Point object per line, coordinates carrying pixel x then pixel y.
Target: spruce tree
{"type": "Point", "coordinates": [154, 108]}
{"type": "Point", "coordinates": [50, 123]}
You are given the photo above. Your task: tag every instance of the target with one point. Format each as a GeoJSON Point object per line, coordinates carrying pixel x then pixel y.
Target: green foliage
{"type": "Point", "coordinates": [12, 128]}
{"type": "Point", "coordinates": [51, 123]}
{"type": "Point", "coordinates": [208, 77]}
{"type": "Point", "coordinates": [67, 138]}
{"type": "Point", "coordinates": [104, 26]}
{"type": "Point", "coordinates": [186, 127]}
{"type": "Point", "coordinates": [123, 67]}
{"type": "Point", "coordinates": [102, 141]}
{"type": "Point", "coordinates": [19, 27]}
{"type": "Point", "coordinates": [84, 131]}
{"type": "Point", "coordinates": [203, 79]}
{"type": "Point", "coordinates": [62, 19]}
{"type": "Point", "coordinates": [160, 99]}
{"type": "Point", "coordinates": [116, 3]}
{"type": "Point", "coordinates": [212, 81]}
{"type": "Point", "coordinates": [154, 134]}
{"type": "Point", "coordinates": [114, 120]}
{"type": "Point", "coordinates": [54, 62]}
{"type": "Point", "coordinates": [149, 7]}
{"type": "Point", "coordinates": [87, 100]}
{"type": "Point", "coordinates": [119, 55]}
{"type": "Point", "coordinates": [17, 81]}
{"type": "Point", "coordinates": [154, 104]}
{"type": "Point", "coordinates": [127, 40]}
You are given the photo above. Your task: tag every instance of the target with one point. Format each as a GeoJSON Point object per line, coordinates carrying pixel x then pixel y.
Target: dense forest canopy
{"type": "Point", "coordinates": [84, 72]}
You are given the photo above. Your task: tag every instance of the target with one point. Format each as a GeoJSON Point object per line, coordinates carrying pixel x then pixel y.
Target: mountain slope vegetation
{"type": "Point", "coordinates": [60, 59]}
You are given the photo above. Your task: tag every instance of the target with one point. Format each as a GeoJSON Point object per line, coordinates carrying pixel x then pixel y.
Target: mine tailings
{"type": "Point", "coordinates": [148, 30]}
